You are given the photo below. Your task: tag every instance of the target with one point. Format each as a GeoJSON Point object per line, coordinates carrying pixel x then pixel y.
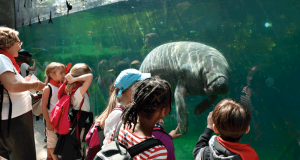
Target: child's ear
{"type": "Point", "coordinates": [215, 128]}
{"type": "Point", "coordinates": [166, 110]}
{"type": "Point", "coordinates": [163, 114]}
{"type": "Point", "coordinates": [248, 129]}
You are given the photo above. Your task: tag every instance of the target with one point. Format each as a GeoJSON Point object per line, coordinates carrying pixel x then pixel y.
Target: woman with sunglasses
{"type": "Point", "coordinates": [16, 125]}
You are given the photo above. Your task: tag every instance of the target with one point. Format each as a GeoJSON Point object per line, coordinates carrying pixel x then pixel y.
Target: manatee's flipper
{"type": "Point", "coordinates": [182, 116]}
{"type": "Point", "coordinates": [205, 104]}
{"type": "Point", "coordinates": [185, 71]}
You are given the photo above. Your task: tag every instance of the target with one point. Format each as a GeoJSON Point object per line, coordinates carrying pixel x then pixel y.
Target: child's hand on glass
{"type": "Point", "coordinates": [70, 78]}
{"type": "Point", "coordinates": [174, 133]}
{"type": "Point", "coordinates": [210, 121]}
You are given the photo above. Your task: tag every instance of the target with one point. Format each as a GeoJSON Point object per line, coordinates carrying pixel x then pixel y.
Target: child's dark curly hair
{"type": "Point", "coordinates": [147, 96]}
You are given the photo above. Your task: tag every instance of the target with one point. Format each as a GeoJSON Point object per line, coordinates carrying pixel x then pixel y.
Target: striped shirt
{"type": "Point", "coordinates": [129, 139]}
{"type": "Point", "coordinates": [245, 99]}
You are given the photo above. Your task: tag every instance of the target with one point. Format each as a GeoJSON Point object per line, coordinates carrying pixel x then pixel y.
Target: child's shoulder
{"type": "Point", "coordinates": [46, 89]}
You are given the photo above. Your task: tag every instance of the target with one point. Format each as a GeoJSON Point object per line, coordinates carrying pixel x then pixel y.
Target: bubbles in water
{"type": "Point", "coordinates": [267, 24]}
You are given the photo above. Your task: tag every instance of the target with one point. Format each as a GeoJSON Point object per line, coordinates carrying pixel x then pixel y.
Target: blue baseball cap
{"type": "Point", "coordinates": [127, 77]}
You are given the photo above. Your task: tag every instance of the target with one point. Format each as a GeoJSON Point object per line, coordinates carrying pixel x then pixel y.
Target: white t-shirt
{"type": "Point", "coordinates": [24, 68]}
{"type": "Point", "coordinates": [76, 101]}
{"type": "Point", "coordinates": [21, 101]}
{"type": "Point", "coordinates": [54, 98]}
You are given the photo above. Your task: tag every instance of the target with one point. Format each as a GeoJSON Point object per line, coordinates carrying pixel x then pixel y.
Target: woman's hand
{"type": "Point", "coordinates": [70, 78]}
{"type": "Point", "coordinates": [174, 133]}
{"type": "Point", "coordinates": [39, 86]}
{"type": "Point", "coordinates": [27, 79]}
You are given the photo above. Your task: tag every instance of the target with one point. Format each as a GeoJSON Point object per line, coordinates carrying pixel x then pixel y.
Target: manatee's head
{"type": "Point", "coordinates": [216, 82]}
{"type": "Point", "coordinates": [218, 86]}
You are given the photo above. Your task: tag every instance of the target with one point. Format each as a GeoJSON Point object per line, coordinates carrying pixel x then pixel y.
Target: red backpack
{"type": "Point", "coordinates": [59, 116]}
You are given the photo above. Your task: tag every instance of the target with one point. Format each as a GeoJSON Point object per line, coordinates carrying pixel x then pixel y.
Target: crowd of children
{"type": "Point", "coordinates": [137, 104]}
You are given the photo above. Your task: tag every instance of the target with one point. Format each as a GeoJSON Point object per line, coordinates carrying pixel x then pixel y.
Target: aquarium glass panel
{"type": "Point", "coordinates": [247, 50]}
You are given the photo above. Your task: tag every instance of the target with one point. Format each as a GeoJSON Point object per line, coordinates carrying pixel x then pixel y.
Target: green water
{"type": "Point", "coordinates": [247, 33]}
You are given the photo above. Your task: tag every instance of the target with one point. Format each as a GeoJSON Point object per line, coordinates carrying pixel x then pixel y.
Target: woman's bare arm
{"type": "Point", "coordinates": [10, 83]}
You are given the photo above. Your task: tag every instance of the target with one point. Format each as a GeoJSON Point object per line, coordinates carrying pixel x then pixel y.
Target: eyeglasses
{"type": "Point", "coordinates": [20, 43]}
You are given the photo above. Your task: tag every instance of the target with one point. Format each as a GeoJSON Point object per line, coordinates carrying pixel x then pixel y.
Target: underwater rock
{"type": "Point", "coordinates": [194, 68]}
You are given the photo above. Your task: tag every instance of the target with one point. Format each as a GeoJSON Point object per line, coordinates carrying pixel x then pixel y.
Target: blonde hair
{"type": "Point", "coordinates": [77, 70]}
{"type": "Point", "coordinates": [51, 68]}
{"type": "Point", "coordinates": [110, 107]}
{"type": "Point", "coordinates": [8, 37]}
{"type": "Point", "coordinates": [112, 103]}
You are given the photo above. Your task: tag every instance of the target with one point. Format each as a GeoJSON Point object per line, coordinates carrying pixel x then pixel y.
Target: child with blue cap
{"type": "Point", "coordinates": [127, 77]}
{"type": "Point", "coordinates": [120, 97]}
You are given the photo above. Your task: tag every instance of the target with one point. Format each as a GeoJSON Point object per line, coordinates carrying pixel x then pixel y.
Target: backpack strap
{"type": "Point", "coordinates": [77, 118]}
{"type": "Point", "coordinates": [143, 146]}
{"type": "Point", "coordinates": [117, 130]}
{"type": "Point", "coordinates": [9, 112]}
{"type": "Point", "coordinates": [50, 95]}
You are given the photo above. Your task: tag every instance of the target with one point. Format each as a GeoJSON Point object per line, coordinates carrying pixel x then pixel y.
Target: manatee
{"type": "Point", "coordinates": [195, 69]}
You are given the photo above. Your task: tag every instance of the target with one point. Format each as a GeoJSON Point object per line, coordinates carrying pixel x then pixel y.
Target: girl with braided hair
{"type": "Point", "coordinates": [120, 97]}
{"type": "Point", "coordinates": [150, 101]}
